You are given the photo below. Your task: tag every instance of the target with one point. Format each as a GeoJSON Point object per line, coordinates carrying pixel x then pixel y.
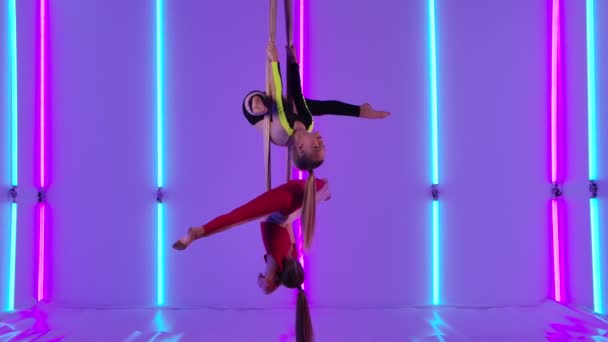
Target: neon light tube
{"type": "Point", "coordinates": [557, 276]}
{"type": "Point", "coordinates": [555, 51]}
{"type": "Point", "coordinates": [160, 232]}
{"type": "Point", "coordinates": [160, 82]}
{"type": "Point", "coordinates": [436, 273]}
{"type": "Point", "coordinates": [598, 297]}
{"type": "Point", "coordinates": [14, 90]}
{"type": "Point", "coordinates": [41, 212]}
{"type": "Point", "coordinates": [10, 305]}
{"type": "Point", "coordinates": [42, 90]}
{"type": "Point", "coordinates": [435, 148]}
{"type": "Point", "coordinates": [554, 87]}
{"type": "Point", "coordinates": [591, 92]}
{"type": "Point", "coordinates": [12, 39]}
{"type": "Point", "coordinates": [434, 112]}
{"type": "Point", "coordinates": [598, 300]}
{"type": "Point", "coordinates": [160, 280]}
{"type": "Point", "coordinates": [300, 175]}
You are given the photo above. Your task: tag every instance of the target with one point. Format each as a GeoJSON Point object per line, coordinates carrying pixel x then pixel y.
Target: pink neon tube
{"type": "Point", "coordinates": [556, 252]}
{"type": "Point", "coordinates": [554, 87]}
{"type": "Point", "coordinates": [301, 61]}
{"type": "Point", "coordinates": [41, 242]}
{"type": "Point", "coordinates": [555, 49]}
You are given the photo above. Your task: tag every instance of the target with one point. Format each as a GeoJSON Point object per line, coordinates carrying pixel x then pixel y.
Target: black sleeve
{"type": "Point", "coordinates": [332, 107]}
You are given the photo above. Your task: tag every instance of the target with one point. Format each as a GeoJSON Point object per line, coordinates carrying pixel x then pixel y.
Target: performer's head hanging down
{"type": "Point", "coordinates": [278, 207]}
{"type": "Point", "coordinates": [307, 147]}
{"type": "Point", "coordinates": [292, 277]}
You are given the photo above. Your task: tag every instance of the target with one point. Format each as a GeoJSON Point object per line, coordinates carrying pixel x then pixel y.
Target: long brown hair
{"type": "Point", "coordinates": [293, 277]}
{"type": "Point", "coordinates": [309, 202]}
{"type": "Point", "coordinates": [309, 209]}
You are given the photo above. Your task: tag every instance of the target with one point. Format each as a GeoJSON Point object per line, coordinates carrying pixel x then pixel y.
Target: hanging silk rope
{"type": "Point", "coordinates": [268, 118]}
{"type": "Point", "coordinates": [269, 90]}
{"type": "Point", "coordinates": [289, 33]}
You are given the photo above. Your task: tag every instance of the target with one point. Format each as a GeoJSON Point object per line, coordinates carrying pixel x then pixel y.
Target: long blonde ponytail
{"type": "Point", "coordinates": [309, 209]}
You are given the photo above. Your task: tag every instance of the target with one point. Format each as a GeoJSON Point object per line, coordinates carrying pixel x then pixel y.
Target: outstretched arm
{"type": "Point", "coordinates": [268, 281]}
{"type": "Point", "coordinates": [333, 107]}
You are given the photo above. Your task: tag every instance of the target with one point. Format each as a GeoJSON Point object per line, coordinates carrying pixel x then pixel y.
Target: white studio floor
{"type": "Point", "coordinates": [548, 321]}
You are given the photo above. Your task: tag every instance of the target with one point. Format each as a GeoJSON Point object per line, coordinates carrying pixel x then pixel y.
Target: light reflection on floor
{"type": "Point", "coordinates": [545, 322]}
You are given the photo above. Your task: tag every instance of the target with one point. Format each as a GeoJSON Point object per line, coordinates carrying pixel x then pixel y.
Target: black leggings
{"type": "Point", "coordinates": [306, 108]}
{"type": "Point", "coordinates": [317, 108]}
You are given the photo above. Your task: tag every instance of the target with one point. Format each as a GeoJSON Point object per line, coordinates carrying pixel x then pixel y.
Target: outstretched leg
{"type": "Point", "coordinates": [294, 88]}
{"type": "Point", "coordinates": [284, 199]}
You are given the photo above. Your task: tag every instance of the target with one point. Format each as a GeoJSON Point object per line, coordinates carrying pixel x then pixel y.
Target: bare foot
{"type": "Point", "coordinates": [193, 234]}
{"type": "Point", "coordinates": [368, 112]}
{"type": "Point", "coordinates": [180, 245]}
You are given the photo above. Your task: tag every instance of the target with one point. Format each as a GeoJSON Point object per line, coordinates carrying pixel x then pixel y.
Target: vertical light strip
{"type": "Point", "coordinates": [555, 29]}
{"type": "Point", "coordinates": [14, 90]}
{"type": "Point", "coordinates": [160, 255]}
{"type": "Point", "coordinates": [160, 224]}
{"type": "Point", "coordinates": [555, 51]}
{"type": "Point", "coordinates": [598, 300]}
{"type": "Point", "coordinates": [12, 13]}
{"type": "Point", "coordinates": [300, 237]}
{"type": "Point", "coordinates": [298, 223]}
{"type": "Point", "coordinates": [42, 89]}
{"type": "Point", "coordinates": [41, 207]}
{"type": "Point", "coordinates": [436, 253]}
{"type": "Point", "coordinates": [435, 150]}
{"type": "Point", "coordinates": [591, 91]}
{"type": "Point", "coordinates": [433, 71]}
{"type": "Point", "coordinates": [557, 277]}
{"type": "Point", "coordinates": [41, 213]}
{"type": "Point", "coordinates": [159, 91]}
{"type": "Point", "coordinates": [10, 305]}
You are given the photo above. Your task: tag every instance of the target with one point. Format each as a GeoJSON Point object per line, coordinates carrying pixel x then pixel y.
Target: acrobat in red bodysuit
{"type": "Point", "coordinates": [279, 207]}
